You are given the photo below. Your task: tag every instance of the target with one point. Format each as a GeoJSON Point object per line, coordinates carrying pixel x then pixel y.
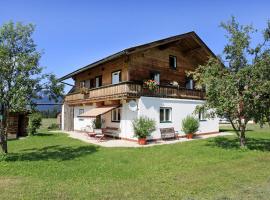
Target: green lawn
{"type": "Point", "coordinates": [53, 166]}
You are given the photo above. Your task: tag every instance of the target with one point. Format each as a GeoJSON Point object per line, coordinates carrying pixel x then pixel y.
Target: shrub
{"type": "Point", "coordinates": [34, 123]}
{"type": "Point", "coordinates": [190, 125]}
{"type": "Point", "coordinates": [143, 126]}
{"type": "Point", "coordinates": [53, 126]}
{"type": "Point", "coordinates": [97, 123]}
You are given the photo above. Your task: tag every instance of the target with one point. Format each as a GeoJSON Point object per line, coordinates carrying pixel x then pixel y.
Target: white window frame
{"type": "Point", "coordinates": [116, 115]}
{"type": "Point", "coordinates": [165, 109]}
{"type": "Point", "coordinates": [116, 74]}
{"type": "Point", "coordinates": [202, 114]}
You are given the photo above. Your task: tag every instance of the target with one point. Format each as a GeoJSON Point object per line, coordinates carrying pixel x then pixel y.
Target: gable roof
{"type": "Point", "coordinates": [138, 48]}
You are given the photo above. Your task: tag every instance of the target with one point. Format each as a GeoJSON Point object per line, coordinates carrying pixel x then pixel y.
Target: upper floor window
{"type": "Point", "coordinates": [116, 115]}
{"type": "Point", "coordinates": [173, 62]}
{"type": "Point", "coordinates": [98, 81]}
{"type": "Point", "coordinates": [156, 77]}
{"type": "Point", "coordinates": [165, 114]}
{"type": "Point", "coordinates": [190, 84]}
{"type": "Point", "coordinates": [82, 84]}
{"type": "Point", "coordinates": [81, 111]}
{"type": "Point", "coordinates": [92, 83]}
{"type": "Point", "coordinates": [116, 77]}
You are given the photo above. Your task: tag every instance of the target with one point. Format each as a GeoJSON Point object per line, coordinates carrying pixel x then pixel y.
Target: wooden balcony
{"type": "Point", "coordinates": [129, 90]}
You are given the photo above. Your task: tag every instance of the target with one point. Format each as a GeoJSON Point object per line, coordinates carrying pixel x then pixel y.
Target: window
{"type": "Point", "coordinates": [81, 111]}
{"type": "Point", "coordinates": [98, 81]}
{"type": "Point", "coordinates": [190, 84]}
{"type": "Point", "coordinates": [165, 115]}
{"type": "Point", "coordinates": [116, 77]}
{"type": "Point", "coordinates": [116, 115]}
{"type": "Point", "coordinates": [202, 116]}
{"type": "Point", "coordinates": [92, 83]}
{"type": "Point", "coordinates": [82, 84]}
{"type": "Point", "coordinates": [173, 62]}
{"type": "Point", "coordinates": [156, 77]}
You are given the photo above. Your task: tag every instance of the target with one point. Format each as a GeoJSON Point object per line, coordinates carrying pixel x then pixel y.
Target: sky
{"type": "Point", "coordinates": [75, 33]}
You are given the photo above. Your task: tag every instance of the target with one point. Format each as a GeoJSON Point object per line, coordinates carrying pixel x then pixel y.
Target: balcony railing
{"type": "Point", "coordinates": [133, 90]}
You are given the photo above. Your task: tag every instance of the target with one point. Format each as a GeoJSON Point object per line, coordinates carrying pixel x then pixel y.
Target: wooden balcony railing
{"type": "Point", "coordinates": [133, 90]}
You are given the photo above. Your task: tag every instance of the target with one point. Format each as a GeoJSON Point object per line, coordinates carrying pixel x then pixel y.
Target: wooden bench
{"type": "Point", "coordinates": [167, 133]}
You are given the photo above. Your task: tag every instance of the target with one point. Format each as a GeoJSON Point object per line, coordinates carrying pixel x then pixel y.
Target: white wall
{"type": "Point", "coordinates": [149, 106]}
{"type": "Point", "coordinates": [82, 123]}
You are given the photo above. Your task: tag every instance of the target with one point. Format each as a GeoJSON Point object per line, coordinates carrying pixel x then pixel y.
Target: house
{"type": "Point", "coordinates": [112, 88]}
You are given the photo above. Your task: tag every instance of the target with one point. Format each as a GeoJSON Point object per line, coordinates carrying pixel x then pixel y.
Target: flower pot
{"type": "Point", "coordinates": [98, 131]}
{"type": "Point", "coordinates": [142, 141]}
{"type": "Point", "coordinates": [189, 136]}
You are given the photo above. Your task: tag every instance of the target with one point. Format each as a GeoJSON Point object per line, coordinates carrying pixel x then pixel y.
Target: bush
{"type": "Point", "coordinates": [143, 126]}
{"type": "Point", "coordinates": [34, 123]}
{"type": "Point", "coordinates": [190, 125]}
{"type": "Point", "coordinates": [97, 123]}
{"type": "Point", "coordinates": [53, 126]}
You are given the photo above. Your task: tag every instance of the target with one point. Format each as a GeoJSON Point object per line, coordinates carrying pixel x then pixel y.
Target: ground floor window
{"type": "Point", "coordinates": [116, 115]}
{"type": "Point", "coordinates": [165, 114]}
{"type": "Point", "coordinates": [202, 116]}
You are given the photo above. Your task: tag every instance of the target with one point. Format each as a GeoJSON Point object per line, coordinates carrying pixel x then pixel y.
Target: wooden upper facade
{"type": "Point", "coordinates": [121, 75]}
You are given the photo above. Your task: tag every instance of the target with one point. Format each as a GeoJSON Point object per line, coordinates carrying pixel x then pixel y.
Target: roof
{"type": "Point", "coordinates": [98, 111]}
{"type": "Point", "coordinates": [138, 48]}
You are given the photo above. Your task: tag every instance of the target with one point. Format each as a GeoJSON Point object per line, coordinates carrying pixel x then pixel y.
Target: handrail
{"type": "Point", "coordinates": [133, 89]}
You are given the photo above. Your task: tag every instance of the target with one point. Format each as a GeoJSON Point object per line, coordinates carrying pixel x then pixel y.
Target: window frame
{"type": "Point", "coordinates": [99, 81]}
{"type": "Point", "coordinates": [175, 61]}
{"type": "Point", "coordinates": [201, 115]}
{"type": "Point", "coordinates": [118, 111]}
{"type": "Point", "coordinates": [81, 109]}
{"type": "Point", "coordinates": [154, 74]}
{"type": "Point", "coordinates": [164, 115]}
{"type": "Point", "coordinates": [120, 76]}
{"type": "Point", "coordinates": [82, 84]}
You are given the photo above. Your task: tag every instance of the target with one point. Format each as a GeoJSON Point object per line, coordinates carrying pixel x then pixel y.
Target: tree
{"type": "Point", "coordinates": [21, 76]}
{"type": "Point", "coordinates": [238, 87]}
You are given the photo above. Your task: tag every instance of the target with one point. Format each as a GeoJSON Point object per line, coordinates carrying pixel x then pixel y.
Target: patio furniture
{"type": "Point", "coordinates": [167, 133]}
{"type": "Point", "coordinates": [99, 136]}
{"type": "Point", "coordinates": [112, 132]}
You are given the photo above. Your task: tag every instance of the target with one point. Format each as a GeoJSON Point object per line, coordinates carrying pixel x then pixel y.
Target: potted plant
{"type": "Point", "coordinates": [190, 125]}
{"type": "Point", "coordinates": [97, 125]}
{"type": "Point", "coordinates": [143, 126]}
{"type": "Point", "coordinates": [151, 85]}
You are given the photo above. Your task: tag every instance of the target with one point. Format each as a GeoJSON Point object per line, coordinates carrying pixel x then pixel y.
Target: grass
{"type": "Point", "coordinates": [53, 166]}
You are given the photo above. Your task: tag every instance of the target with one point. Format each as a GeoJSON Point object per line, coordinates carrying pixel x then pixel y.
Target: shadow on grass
{"type": "Point", "coordinates": [258, 144]}
{"type": "Point", "coordinates": [55, 152]}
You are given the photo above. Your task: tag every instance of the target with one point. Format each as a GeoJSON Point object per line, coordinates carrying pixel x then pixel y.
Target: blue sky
{"type": "Point", "coordinates": [76, 33]}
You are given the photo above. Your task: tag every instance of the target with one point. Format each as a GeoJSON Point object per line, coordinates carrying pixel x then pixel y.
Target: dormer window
{"type": "Point", "coordinates": [173, 62]}
{"type": "Point", "coordinates": [116, 77]}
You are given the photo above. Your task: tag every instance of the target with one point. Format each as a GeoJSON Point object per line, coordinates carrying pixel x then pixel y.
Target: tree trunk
{"type": "Point", "coordinates": [242, 140]}
{"type": "Point", "coordinates": [242, 135]}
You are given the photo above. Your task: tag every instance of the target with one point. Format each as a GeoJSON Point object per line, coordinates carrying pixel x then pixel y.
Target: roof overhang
{"type": "Point", "coordinates": [98, 111]}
